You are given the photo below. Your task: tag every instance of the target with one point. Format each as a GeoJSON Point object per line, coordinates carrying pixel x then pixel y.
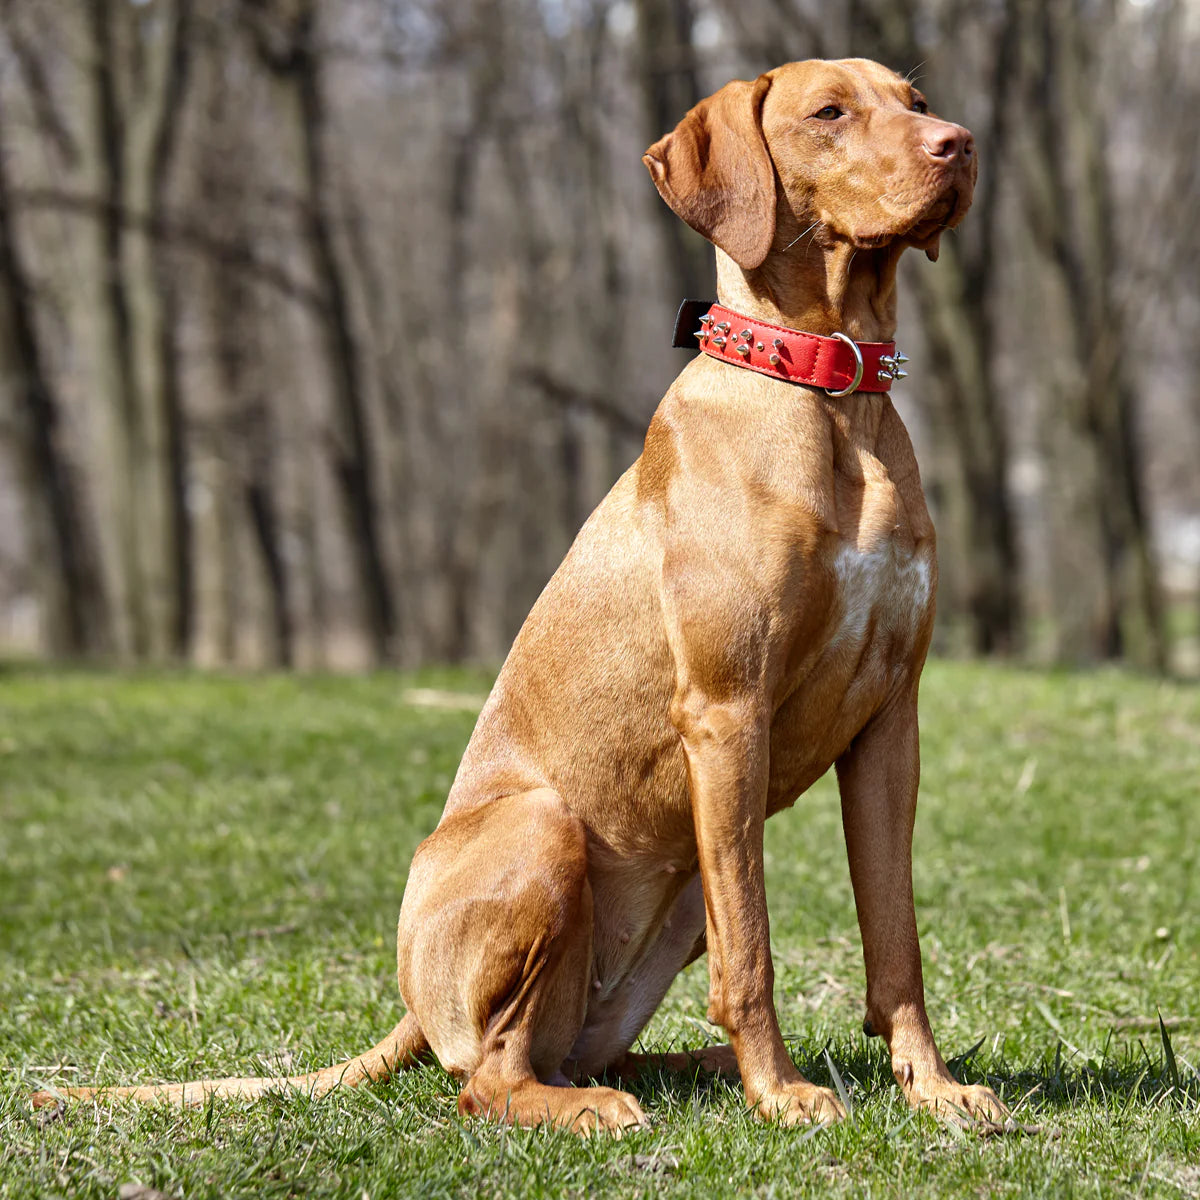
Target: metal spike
{"type": "Point", "coordinates": [887, 361]}
{"type": "Point", "coordinates": [901, 357]}
{"type": "Point", "coordinates": [747, 334]}
{"type": "Point", "coordinates": [718, 341]}
{"type": "Point", "coordinates": [742, 349]}
{"type": "Point", "coordinates": [900, 374]}
{"type": "Point", "coordinates": [778, 343]}
{"type": "Point", "coordinates": [700, 333]}
{"type": "Point", "coordinates": [706, 319]}
{"type": "Point", "coordinates": [774, 361]}
{"type": "Point", "coordinates": [758, 345]}
{"type": "Point", "coordinates": [723, 326]}
{"type": "Point", "coordinates": [883, 376]}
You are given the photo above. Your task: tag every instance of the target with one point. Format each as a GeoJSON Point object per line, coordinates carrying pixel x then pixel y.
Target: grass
{"type": "Point", "coordinates": [201, 875]}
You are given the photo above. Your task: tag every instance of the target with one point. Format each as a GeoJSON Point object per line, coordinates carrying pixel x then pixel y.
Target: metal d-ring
{"type": "Point", "coordinates": [858, 367]}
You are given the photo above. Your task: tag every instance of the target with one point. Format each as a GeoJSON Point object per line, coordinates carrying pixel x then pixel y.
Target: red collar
{"type": "Point", "coordinates": [837, 364]}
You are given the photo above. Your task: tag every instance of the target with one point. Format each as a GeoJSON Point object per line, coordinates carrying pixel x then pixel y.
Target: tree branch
{"type": "Point", "coordinates": [190, 237]}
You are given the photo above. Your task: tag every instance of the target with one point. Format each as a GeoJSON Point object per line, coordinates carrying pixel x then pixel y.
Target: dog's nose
{"type": "Point", "coordinates": [946, 142]}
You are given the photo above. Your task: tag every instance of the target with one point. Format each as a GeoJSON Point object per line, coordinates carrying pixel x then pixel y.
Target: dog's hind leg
{"type": "Point", "coordinates": [715, 1060]}
{"type": "Point", "coordinates": [495, 959]}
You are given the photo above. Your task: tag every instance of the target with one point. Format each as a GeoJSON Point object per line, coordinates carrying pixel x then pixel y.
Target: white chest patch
{"type": "Point", "coordinates": [890, 588]}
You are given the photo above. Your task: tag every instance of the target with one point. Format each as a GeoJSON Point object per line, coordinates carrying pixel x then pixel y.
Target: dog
{"type": "Point", "coordinates": [750, 605]}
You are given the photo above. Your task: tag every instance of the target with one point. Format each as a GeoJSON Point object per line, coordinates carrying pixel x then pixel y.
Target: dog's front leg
{"type": "Point", "coordinates": [878, 777]}
{"type": "Point", "coordinates": [726, 747]}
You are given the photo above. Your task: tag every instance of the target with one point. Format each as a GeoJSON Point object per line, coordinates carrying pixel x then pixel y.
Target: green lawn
{"type": "Point", "coordinates": [201, 875]}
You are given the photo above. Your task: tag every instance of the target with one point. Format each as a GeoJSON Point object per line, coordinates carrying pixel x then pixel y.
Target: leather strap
{"type": "Point", "coordinates": [789, 354]}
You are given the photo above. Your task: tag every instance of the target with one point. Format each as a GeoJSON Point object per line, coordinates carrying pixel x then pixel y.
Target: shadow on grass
{"type": "Point", "coordinates": [1059, 1081]}
{"type": "Point", "coordinates": [1062, 1079]}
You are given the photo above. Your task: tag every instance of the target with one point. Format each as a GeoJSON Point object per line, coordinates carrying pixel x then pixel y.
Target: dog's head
{"type": "Point", "coordinates": [848, 145]}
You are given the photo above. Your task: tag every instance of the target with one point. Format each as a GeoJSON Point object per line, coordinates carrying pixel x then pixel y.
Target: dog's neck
{"type": "Point", "coordinates": [821, 286]}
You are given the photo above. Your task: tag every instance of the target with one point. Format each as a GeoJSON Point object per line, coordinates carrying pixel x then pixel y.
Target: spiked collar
{"type": "Point", "coordinates": [837, 364]}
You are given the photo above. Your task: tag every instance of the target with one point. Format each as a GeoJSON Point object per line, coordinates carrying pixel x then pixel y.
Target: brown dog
{"type": "Point", "coordinates": [750, 605]}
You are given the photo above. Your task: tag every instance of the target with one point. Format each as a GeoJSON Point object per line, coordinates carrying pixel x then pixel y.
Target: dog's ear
{"type": "Point", "coordinates": [715, 172]}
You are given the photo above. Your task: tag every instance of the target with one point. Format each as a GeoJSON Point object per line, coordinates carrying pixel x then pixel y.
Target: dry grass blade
{"type": "Point", "coordinates": [839, 1085]}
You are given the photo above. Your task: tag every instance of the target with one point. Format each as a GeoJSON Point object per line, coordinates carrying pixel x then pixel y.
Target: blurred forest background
{"type": "Point", "coordinates": [325, 323]}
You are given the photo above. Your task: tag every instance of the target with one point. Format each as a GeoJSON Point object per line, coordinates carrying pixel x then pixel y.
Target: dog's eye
{"type": "Point", "coordinates": [920, 106]}
{"type": "Point", "coordinates": [830, 112]}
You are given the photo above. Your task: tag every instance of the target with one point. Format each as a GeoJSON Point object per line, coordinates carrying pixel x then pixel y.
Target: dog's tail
{"type": "Point", "coordinates": [403, 1047]}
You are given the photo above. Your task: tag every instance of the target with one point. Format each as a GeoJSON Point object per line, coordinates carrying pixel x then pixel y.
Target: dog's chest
{"type": "Point", "coordinates": [886, 590]}
{"type": "Point", "coordinates": [871, 639]}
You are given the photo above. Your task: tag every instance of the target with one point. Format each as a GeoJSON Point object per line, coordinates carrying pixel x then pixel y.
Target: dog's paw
{"type": "Point", "coordinates": [583, 1110]}
{"type": "Point", "coordinates": [799, 1103]}
{"type": "Point", "coordinates": [604, 1110]}
{"type": "Point", "coordinates": [969, 1106]}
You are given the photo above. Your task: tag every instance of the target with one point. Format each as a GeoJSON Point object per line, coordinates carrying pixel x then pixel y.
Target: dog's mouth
{"type": "Point", "coordinates": [933, 217]}
{"type": "Point", "coordinates": [872, 241]}
{"type": "Point", "coordinates": [945, 212]}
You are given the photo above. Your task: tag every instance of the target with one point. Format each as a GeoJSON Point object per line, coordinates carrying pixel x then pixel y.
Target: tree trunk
{"type": "Point", "coordinates": [139, 67]}
{"type": "Point", "coordinates": [116, 377]}
{"type": "Point", "coordinates": [299, 66]}
{"type": "Point", "coordinates": [667, 73]}
{"type": "Point", "coordinates": [159, 348]}
{"type": "Point", "coordinates": [960, 372]}
{"type": "Point", "coordinates": [74, 607]}
{"type": "Point", "coordinates": [1070, 198]}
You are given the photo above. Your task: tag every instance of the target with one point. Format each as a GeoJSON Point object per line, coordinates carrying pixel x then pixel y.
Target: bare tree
{"type": "Point", "coordinates": [285, 37]}
{"type": "Point", "coordinates": [1069, 193]}
{"type": "Point", "coordinates": [74, 603]}
{"type": "Point", "coordinates": [137, 65]}
{"type": "Point", "coordinates": [323, 327]}
{"type": "Point", "coordinates": [666, 68]}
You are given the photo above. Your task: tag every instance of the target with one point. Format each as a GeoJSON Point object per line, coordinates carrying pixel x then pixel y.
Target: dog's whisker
{"type": "Point", "coordinates": [801, 235]}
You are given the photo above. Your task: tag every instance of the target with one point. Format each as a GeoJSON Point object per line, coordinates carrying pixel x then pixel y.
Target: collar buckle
{"type": "Point", "coordinates": [858, 367]}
